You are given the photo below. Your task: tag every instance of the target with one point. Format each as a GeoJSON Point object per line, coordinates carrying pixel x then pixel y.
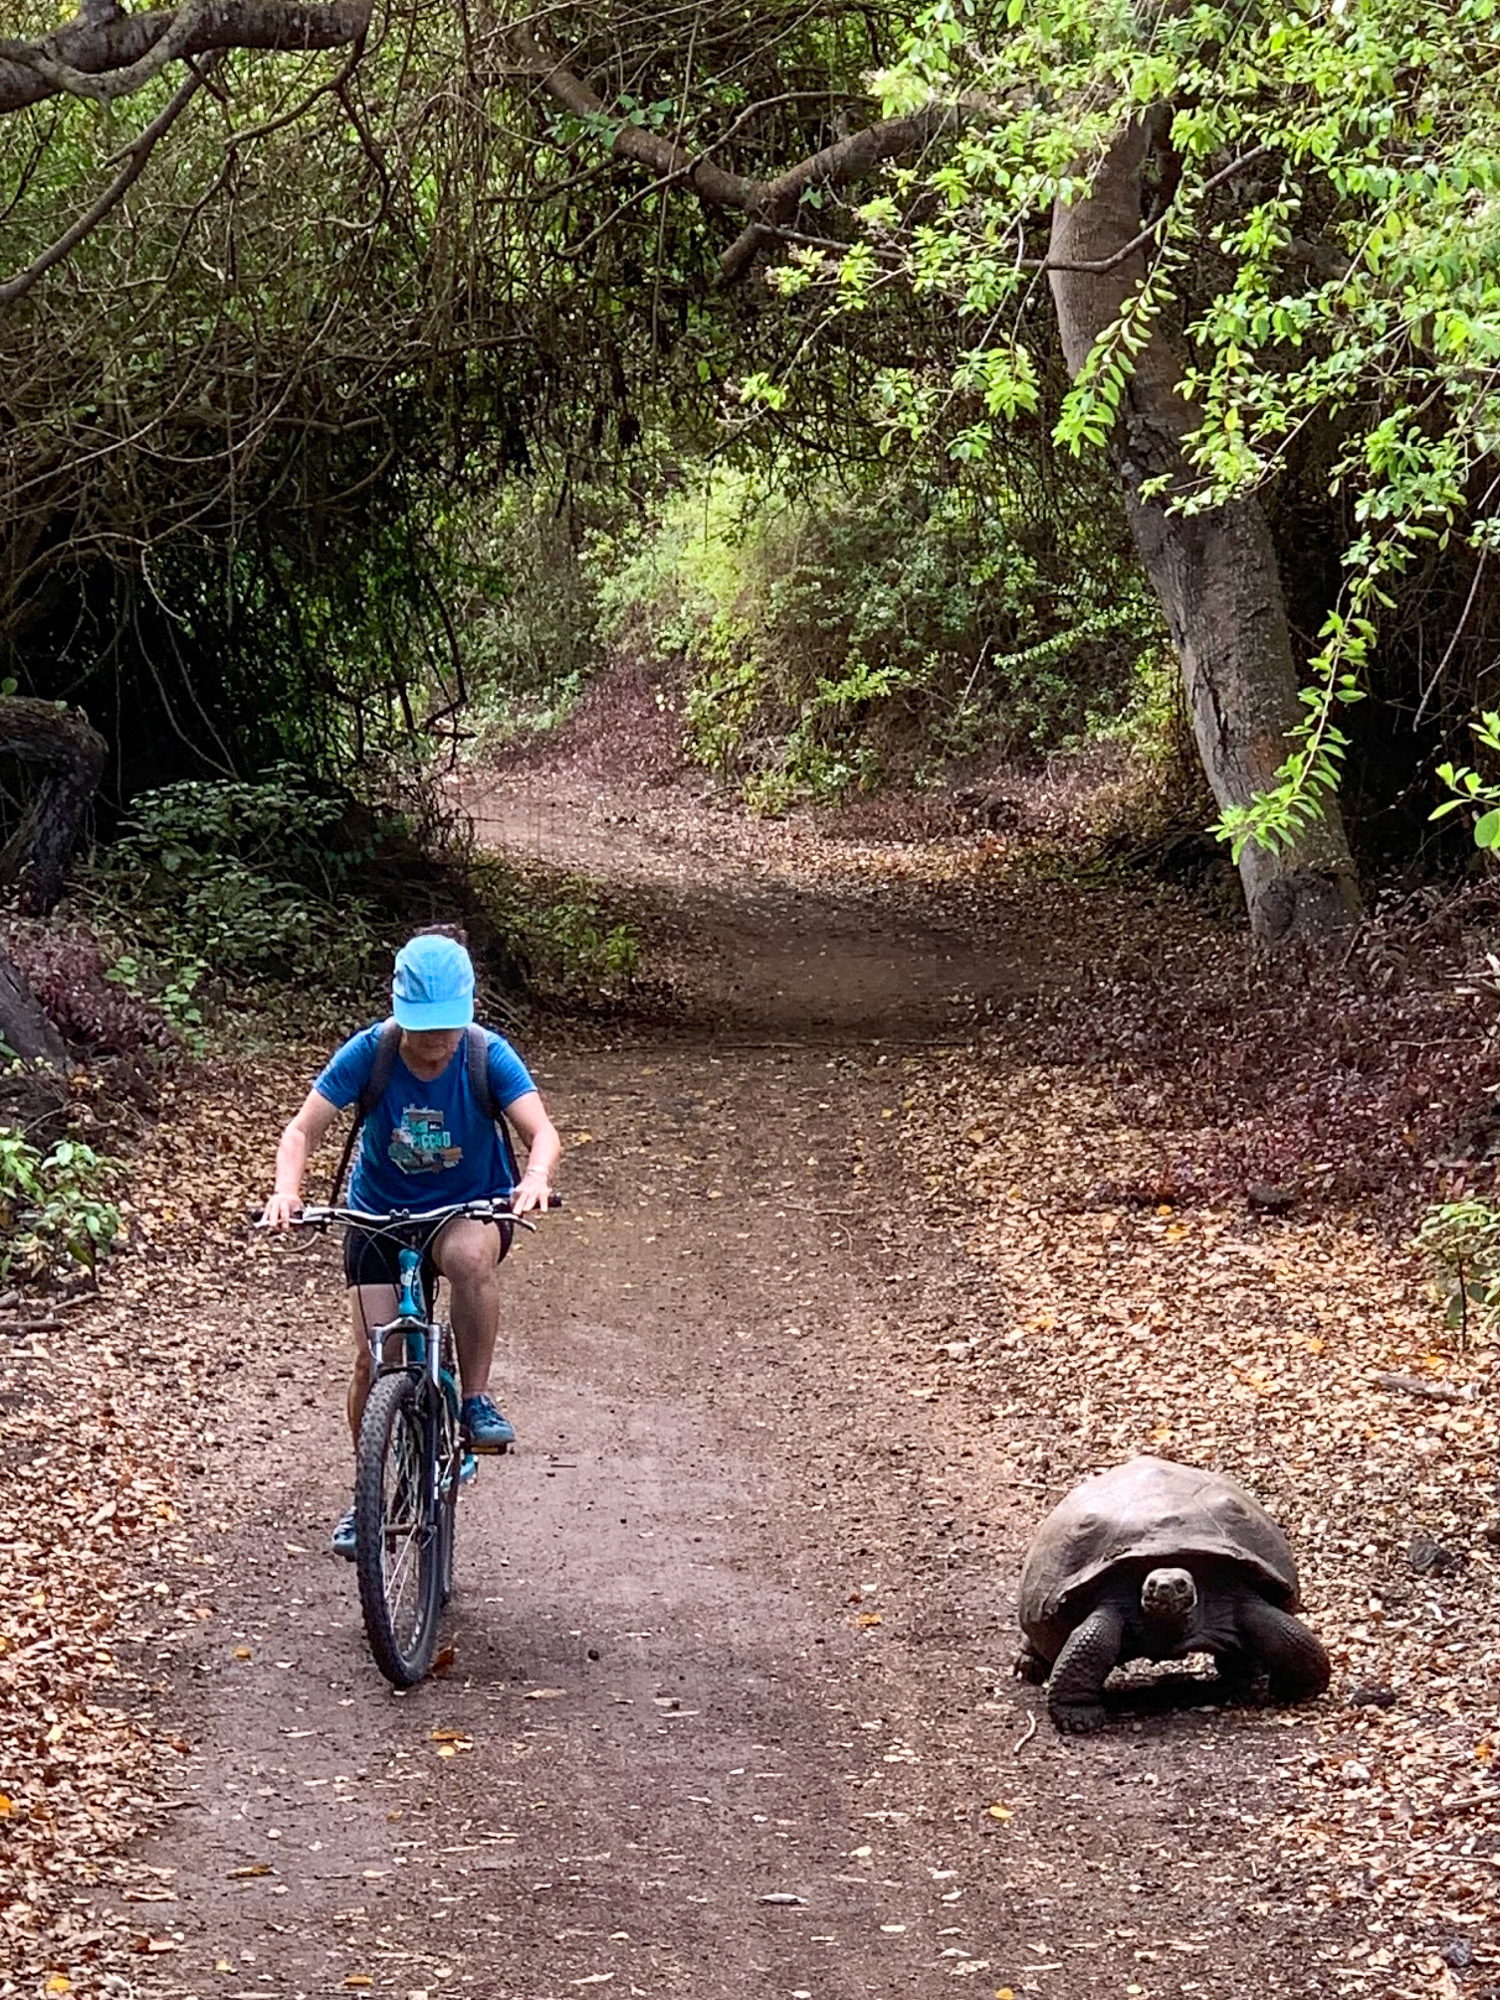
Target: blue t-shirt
{"type": "Point", "coordinates": [425, 1144]}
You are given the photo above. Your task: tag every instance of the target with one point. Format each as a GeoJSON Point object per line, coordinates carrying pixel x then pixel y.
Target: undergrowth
{"type": "Point", "coordinates": [1461, 1241]}
{"type": "Point", "coordinates": [245, 909]}
{"type": "Point", "coordinates": [272, 895]}
{"type": "Point", "coordinates": [55, 1206]}
{"type": "Point", "coordinates": [1369, 1079]}
{"type": "Point", "coordinates": [846, 636]}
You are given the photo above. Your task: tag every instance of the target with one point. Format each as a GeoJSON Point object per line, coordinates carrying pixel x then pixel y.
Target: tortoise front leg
{"type": "Point", "coordinates": [1237, 1670]}
{"type": "Point", "coordinates": [1081, 1669]}
{"type": "Point", "coordinates": [1280, 1645]}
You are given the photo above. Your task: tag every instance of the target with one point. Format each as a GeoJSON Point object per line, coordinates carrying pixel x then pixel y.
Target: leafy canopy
{"type": "Point", "coordinates": [1322, 234]}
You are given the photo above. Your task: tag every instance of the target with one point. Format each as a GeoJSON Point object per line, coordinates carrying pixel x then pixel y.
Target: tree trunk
{"type": "Point", "coordinates": [1215, 572]}
{"type": "Point", "coordinates": [70, 754]}
{"type": "Point", "coordinates": [24, 1028]}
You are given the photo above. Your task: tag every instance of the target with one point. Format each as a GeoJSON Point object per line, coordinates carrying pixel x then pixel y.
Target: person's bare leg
{"type": "Point", "coordinates": [468, 1255]}
{"type": "Point", "coordinates": [369, 1305]}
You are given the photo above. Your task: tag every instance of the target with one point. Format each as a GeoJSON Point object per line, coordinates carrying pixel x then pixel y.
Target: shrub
{"type": "Point", "coordinates": [528, 623]}
{"type": "Point", "coordinates": [1461, 1240]}
{"type": "Point", "coordinates": [86, 1003]}
{"type": "Point", "coordinates": [556, 933]}
{"type": "Point", "coordinates": [837, 637]}
{"type": "Point", "coordinates": [244, 879]}
{"type": "Point", "coordinates": [53, 1206]}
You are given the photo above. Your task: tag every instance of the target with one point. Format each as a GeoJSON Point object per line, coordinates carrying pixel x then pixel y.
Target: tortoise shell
{"type": "Point", "coordinates": [1151, 1511]}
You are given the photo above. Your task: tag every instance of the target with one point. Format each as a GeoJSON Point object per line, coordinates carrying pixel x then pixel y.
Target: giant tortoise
{"type": "Point", "coordinates": [1154, 1560]}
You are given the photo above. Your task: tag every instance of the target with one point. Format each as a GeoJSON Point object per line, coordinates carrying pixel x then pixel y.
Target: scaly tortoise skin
{"type": "Point", "coordinates": [1154, 1560]}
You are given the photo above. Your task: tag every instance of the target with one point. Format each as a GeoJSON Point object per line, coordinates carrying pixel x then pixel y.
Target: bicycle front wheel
{"type": "Point", "coordinates": [447, 1509]}
{"type": "Point", "coordinates": [399, 1537]}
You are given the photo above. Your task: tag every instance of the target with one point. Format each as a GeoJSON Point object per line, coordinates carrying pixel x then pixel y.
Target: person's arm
{"type": "Point", "coordinates": [543, 1150]}
{"type": "Point", "coordinates": [299, 1139]}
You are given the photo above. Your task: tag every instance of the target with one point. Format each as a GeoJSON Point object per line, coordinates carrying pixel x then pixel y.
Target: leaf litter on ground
{"type": "Point", "coordinates": [1185, 1183]}
{"type": "Point", "coordinates": [1096, 1148]}
{"type": "Point", "coordinates": [105, 1552]}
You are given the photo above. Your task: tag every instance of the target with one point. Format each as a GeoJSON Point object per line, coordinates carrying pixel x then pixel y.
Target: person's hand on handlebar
{"type": "Point", "coordinates": [532, 1192]}
{"type": "Point", "coordinates": [281, 1211]}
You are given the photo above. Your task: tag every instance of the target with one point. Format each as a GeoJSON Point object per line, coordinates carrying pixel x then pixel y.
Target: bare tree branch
{"type": "Point", "coordinates": [135, 156]}
{"type": "Point", "coordinates": [769, 204]}
{"type": "Point", "coordinates": [113, 83]}
{"type": "Point", "coordinates": [846, 160]}
{"type": "Point", "coordinates": [110, 59]}
{"type": "Point", "coordinates": [632, 142]}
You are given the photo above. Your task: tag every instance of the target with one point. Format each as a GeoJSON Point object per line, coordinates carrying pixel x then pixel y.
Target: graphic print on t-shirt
{"type": "Point", "coordinates": [421, 1143]}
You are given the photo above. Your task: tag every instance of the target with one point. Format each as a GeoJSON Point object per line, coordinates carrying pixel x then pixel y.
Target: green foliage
{"type": "Point", "coordinates": [225, 438]}
{"type": "Point", "coordinates": [54, 1206]}
{"type": "Point", "coordinates": [234, 882]}
{"type": "Point", "coordinates": [580, 944]}
{"type": "Point", "coordinates": [529, 613]}
{"type": "Point", "coordinates": [169, 985]}
{"type": "Point", "coordinates": [271, 893]}
{"type": "Point", "coordinates": [1473, 793]}
{"type": "Point", "coordinates": [560, 932]}
{"type": "Point", "coordinates": [1325, 232]}
{"type": "Point", "coordinates": [251, 419]}
{"type": "Point", "coordinates": [1461, 1240]}
{"type": "Point", "coordinates": [835, 637]}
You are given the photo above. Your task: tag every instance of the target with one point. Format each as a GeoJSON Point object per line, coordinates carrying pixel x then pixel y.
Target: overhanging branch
{"type": "Point", "coordinates": [768, 204]}
{"type": "Point", "coordinates": [107, 60]}
{"type": "Point", "coordinates": [135, 156]}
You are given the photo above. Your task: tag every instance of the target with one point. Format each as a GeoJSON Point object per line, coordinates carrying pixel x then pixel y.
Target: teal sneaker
{"type": "Point", "coordinates": [343, 1537]}
{"type": "Point", "coordinates": [487, 1429]}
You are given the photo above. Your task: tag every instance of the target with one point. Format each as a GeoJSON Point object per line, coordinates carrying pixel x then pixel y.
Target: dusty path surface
{"type": "Point", "coordinates": [730, 1711]}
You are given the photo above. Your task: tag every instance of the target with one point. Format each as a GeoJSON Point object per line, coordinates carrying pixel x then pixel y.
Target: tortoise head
{"type": "Point", "coordinates": [1169, 1598]}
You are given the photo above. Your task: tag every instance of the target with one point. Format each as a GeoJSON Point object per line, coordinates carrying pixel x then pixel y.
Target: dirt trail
{"type": "Point", "coordinates": [731, 1711]}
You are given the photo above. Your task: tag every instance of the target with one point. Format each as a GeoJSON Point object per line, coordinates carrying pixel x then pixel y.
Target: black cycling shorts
{"type": "Point", "coordinates": [373, 1257]}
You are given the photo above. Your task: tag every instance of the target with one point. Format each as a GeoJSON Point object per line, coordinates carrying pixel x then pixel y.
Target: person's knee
{"type": "Point", "coordinates": [475, 1261]}
{"type": "Point", "coordinates": [475, 1279]}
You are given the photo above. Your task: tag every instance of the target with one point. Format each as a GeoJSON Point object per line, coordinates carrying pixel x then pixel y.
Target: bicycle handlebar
{"type": "Point", "coordinates": [320, 1215]}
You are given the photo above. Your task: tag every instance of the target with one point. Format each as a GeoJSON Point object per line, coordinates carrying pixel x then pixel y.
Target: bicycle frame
{"type": "Point", "coordinates": [426, 1344]}
{"type": "Point", "coordinates": [420, 1332]}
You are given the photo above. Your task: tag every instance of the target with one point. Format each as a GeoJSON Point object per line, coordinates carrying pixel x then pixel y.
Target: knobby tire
{"type": "Point", "coordinates": [447, 1511]}
{"type": "Point", "coordinates": [401, 1554]}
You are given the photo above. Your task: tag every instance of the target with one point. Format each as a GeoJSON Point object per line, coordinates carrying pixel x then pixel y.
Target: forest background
{"type": "Point", "coordinates": [915, 395]}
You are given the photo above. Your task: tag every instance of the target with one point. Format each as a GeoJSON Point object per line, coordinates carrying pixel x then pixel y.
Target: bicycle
{"type": "Point", "coordinates": [410, 1454]}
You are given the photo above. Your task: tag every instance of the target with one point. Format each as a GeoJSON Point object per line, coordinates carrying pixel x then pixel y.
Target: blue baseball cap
{"type": "Point", "coordinates": [434, 984]}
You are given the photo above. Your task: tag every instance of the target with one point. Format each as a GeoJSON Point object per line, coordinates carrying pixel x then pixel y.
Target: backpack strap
{"type": "Point", "coordinates": [483, 1094]}
{"type": "Point", "coordinates": [387, 1047]}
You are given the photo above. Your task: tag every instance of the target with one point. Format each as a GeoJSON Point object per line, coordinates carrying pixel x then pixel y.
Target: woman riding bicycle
{"type": "Point", "coordinates": [427, 1139]}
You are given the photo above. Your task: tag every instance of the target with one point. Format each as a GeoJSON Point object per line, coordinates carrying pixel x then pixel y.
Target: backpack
{"type": "Point", "coordinates": [477, 1049]}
